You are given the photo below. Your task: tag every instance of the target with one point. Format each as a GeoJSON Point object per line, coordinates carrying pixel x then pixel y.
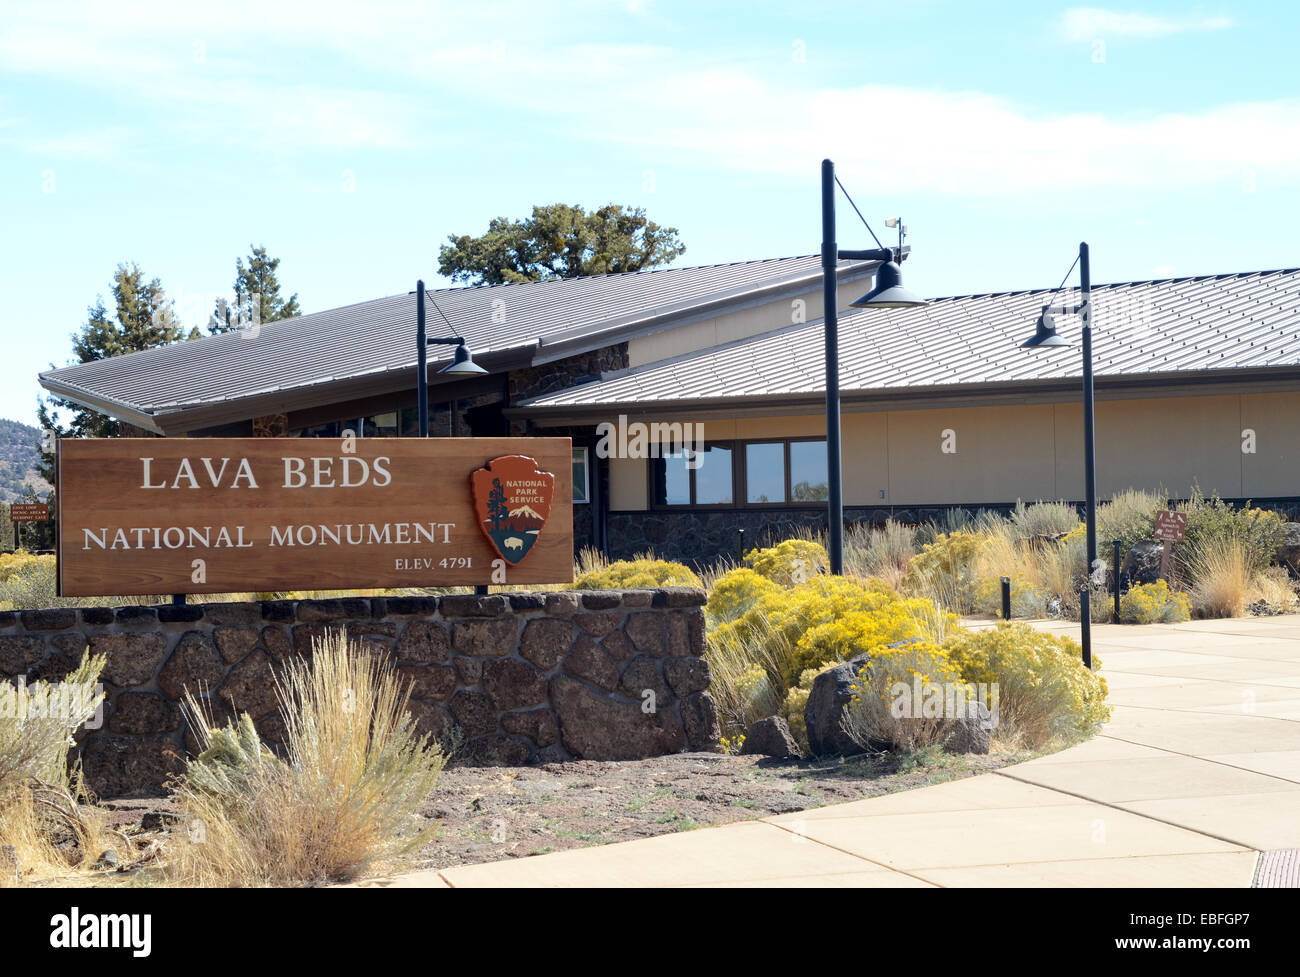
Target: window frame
{"type": "Point", "coordinates": [739, 477]}
{"type": "Point", "coordinates": [729, 445]}
{"type": "Point", "coordinates": [586, 475]}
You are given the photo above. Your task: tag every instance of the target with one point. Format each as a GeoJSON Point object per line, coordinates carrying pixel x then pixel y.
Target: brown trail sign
{"type": "Point", "coordinates": [1171, 527]}
{"type": "Point", "coordinates": [29, 512]}
{"type": "Point", "coordinates": [223, 515]}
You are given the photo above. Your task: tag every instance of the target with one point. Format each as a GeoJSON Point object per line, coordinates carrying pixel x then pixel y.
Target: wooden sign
{"type": "Point", "coordinates": [235, 515]}
{"type": "Point", "coordinates": [1171, 526]}
{"type": "Point", "coordinates": [29, 512]}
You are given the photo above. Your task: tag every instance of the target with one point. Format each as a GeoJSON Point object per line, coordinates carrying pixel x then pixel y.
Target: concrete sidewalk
{"type": "Point", "coordinates": [1197, 773]}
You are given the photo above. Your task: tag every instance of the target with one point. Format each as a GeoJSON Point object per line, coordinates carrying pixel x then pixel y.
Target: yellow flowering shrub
{"type": "Point", "coordinates": [790, 562]}
{"type": "Point", "coordinates": [1044, 693]}
{"type": "Point", "coordinates": [12, 563]}
{"type": "Point", "coordinates": [888, 696]}
{"type": "Point", "coordinates": [624, 574]}
{"type": "Point", "coordinates": [735, 592]}
{"type": "Point", "coordinates": [944, 570]}
{"type": "Point", "coordinates": [826, 620]}
{"type": "Point", "coordinates": [1151, 602]}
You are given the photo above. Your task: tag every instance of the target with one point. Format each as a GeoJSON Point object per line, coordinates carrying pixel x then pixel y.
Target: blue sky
{"type": "Point", "coordinates": [352, 138]}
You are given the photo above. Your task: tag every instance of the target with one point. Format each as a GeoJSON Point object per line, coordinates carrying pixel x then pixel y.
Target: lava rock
{"type": "Point", "coordinates": [771, 737]}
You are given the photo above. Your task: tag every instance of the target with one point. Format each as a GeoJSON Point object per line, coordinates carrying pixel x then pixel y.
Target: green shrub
{"type": "Point", "coordinates": [1213, 523]}
{"type": "Point", "coordinates": [1044, 694]}
{"type": "Point", "coordinates": [634, 574]}
{"type": "Point", "coordinates": [1043, 519]}
{"type": "Point", "coordinates": [1130, 517]}
{"type": "Point", "coordinates": [790, 562]}
{"type": "Point", "coordinates": [1149, 603]}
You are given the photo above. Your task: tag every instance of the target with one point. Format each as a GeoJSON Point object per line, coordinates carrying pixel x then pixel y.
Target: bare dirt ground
{"type": "Point", "coordinates": [486, 814]}
{"type": "Point", "coordinates": [491, 813]}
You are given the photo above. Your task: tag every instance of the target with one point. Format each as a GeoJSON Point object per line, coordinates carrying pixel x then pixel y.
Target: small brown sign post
{"type": "Point", "coordinates": [1171, 527]}
{"type": "Point", "coordinates": [27, 512]}
{"type": "Point", "coordinates": [230, 515]}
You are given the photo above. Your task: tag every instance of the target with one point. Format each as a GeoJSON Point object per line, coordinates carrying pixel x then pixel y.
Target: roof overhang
{"type": "Point", "coordinates": [182, 418]}
{"type": "Point", "coordinates": [185, 418]}
{"type": "Point", "coordinates": [1184, 383]}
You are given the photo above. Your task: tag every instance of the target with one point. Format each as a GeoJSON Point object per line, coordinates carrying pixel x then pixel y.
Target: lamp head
{"type": "Point", "coordinates": [889, 292]}
{"type": "Point", "coordinates": [462, 364]}
{"type": "Point", "coordinates": [1045, 333]}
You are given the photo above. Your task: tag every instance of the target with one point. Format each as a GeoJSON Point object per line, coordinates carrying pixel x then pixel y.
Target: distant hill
{"type": "Point", "coordinates": [19, 454]}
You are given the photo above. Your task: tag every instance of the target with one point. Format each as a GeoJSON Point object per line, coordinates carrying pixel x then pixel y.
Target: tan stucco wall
{"type": "Point", "coordinates": [737, 325]}
{"type": "Point", "coordinates": [1036, 451]}
{"type": "Point", "coordinates": [628, 485]}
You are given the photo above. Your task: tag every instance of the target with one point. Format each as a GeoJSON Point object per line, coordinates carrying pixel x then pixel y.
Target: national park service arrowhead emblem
{"type": "Point", "coordinates": [512, 500]}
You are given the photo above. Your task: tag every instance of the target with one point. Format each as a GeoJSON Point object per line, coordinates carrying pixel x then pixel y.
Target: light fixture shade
{"type": "Point", "coordinates": [462, 364]}
{"type": "Point", "coordinates": [889, 292]}
{"type": "Point", "coordinates": [1045, 334]}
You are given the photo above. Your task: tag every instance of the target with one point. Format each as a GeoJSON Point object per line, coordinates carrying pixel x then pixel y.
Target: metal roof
{"type": "Point", "coordinates": [320, 355]}
{"type": "Point", "coordinates": [1154, 330]}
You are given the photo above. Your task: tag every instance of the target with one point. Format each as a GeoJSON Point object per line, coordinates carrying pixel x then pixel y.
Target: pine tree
{"type": "Point", "coordinates": [145, 318]}
{"type": "Point", "coordinates": [257, 296]}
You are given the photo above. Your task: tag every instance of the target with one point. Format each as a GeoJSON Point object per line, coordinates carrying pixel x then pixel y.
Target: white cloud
{"type": "Point", "coordinates": [1091, 23]}
{"type": "Point", "coordinates": [344, 75]}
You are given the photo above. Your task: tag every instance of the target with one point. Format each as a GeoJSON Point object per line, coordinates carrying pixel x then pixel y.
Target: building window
{"type": "Point", "coordinates": [333, 429]}
{"type": "Point", "coordinates": [380, 426]}
{"type": "Point", "coordinates": [807, 466]}
{"type": "Point", "coordinates": [689, 478]}
{"type": "Point", "coordinates": [581, 477]}
{"type": "Point", "coordinates": [765, 473]}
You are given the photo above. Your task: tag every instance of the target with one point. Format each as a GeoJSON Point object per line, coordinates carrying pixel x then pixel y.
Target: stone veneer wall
{"type": "Point", "coordinates": [515, 678]}
{"type": "Point", "coordinates": [700, 536]}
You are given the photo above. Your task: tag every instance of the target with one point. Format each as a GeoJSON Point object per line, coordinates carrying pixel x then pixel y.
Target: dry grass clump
{"type": "Point", "coordinates": [879, 551]}
{"type": "Point", "coordinates": [1221, 579]}
{"type": "Point", "coordinates": [1226, 581]}
{"type": "Point", "coordinates": [343, 797]}
{"type": "Point", "coordinates": [48, 827]}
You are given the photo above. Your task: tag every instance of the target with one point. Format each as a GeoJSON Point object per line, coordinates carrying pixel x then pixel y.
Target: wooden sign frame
{"type": "Point", "coordinates": [142, 516]}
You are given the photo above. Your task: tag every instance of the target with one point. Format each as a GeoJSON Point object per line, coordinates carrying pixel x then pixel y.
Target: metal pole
{"type": "Point", "coordinates": [422, 359]}
{"type": "Point", "coordinates": [1089, 440]}
{"type": "Point", "coordinates": [830, 318]}
{"type": "Point", "coordinates": [1116, 544]}
{"type": "Point", "coordinates": [740, 546]}
{"type": "Point", "coordinates": [1085, 626]}
{"type": "Point", "coordinates": [1006, 598]}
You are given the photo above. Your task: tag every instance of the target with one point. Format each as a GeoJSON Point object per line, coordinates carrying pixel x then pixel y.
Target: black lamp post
{"type": "Point", "coordinates": [888, 294]}
{"type": "Point", "coordinates": [462, 363]}
{"type": "Point", "coordinates": [1045, 336]}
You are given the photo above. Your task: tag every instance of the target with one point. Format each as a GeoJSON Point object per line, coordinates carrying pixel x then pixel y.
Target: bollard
{"type": "Point", "coordinates": [1006, 598]}
{"type": "Point", "coordinates": [1116, 544]}
{"type": "Point", "coordinates": [740, 546]}
{"type": "Point", "coordinates": [1085, 626]}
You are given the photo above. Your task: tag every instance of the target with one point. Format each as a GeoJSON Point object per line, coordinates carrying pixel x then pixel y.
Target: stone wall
{"type": "Point", "coordinates": [701, 536]}
{"type": "Point", "coordinates": [514, 678]}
